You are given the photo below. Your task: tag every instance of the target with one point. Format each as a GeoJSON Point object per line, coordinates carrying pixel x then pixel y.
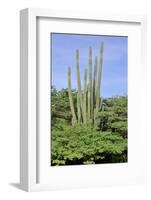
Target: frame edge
{"type": "Point", "coordinates": [24, 99]}
{"type": "Point", "coordinates": [27, 69]}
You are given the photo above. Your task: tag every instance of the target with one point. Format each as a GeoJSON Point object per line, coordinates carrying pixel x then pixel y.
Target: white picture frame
{"type": "Point", "coordinates": [29, 148]}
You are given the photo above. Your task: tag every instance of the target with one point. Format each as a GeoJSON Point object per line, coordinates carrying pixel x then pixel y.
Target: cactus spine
{"type": "Point", "coordinates": [89, 101]}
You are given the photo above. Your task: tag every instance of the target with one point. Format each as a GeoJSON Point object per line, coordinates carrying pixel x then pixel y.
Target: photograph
{"type": "Point", "coordinates": [89, 99]}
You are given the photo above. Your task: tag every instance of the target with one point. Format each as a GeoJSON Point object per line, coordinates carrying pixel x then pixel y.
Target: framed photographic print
{"type": "Point", "coordinates": [82, 78]}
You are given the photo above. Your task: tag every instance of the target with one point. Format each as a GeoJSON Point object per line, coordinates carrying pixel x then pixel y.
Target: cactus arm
{"type": "Point", "coordinates": [74, 120]}
{"type": "Point", "coordinates": [79, 80]}
{"type": "Point", "coordinates": [85, 98]}
{"type": "Point", "coordinates": [90, 85]}
{"type": "Point", "coordinates": [101, 102]}
{"type": "Point", "coordinates": [95, 79]}
{"type": "Point", "coordinates": [78, 109]}
{"type": "Point", "coordinates": [99, 80]}
{"type": "Point", "coordinates": [88, 111]}
{"type": "Point", "coordinates": [95, 86]}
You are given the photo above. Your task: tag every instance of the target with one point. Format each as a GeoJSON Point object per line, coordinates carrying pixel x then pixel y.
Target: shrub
{"type": "Point", "coordinates": [82, 145]}
{"type": "Point", "coordinates": [120, 127]}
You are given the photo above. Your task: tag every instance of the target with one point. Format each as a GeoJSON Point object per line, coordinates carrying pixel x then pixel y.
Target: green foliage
{"type": "Point", "coordinates": [120, 127]}
{"type": "Point", "coordinates": [82, 145]}
{"type": "Point", "coordinates": [114, 116]}
{"type": "Point", "coordinates": [60, 107]}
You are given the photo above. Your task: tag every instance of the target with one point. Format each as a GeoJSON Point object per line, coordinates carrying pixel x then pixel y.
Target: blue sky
{"type": "Point", "coordinates": [115, 60]}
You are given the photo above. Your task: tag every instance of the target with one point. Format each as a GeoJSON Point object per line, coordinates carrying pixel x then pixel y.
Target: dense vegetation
{"type": "Point", "coordinates": [80, 144]}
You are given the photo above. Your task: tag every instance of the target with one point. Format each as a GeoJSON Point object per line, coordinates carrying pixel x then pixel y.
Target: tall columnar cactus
{"type": "Point", "coordinates": [95, 79]}
{"type": "Point", "coordinates": [90, 86]}
{"type": "Point", "coordinates": [95, 87]}
{"type": "Point", "coordinates": [74, 119]}
{"type": "Point", "coordinates": [78, 109]}
{"type": "Point", "coordinates": [79, 81]}
{"type": "Point", "coordinates": [99, 80]}
{"type": "Point", "coordinates": [88, 100]}
{"type": "Point", "coordinates": [85, 98]}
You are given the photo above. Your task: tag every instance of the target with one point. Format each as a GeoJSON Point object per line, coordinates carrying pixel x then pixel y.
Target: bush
{"type": "Point", "coordinates": [120, 127]}
{"type": "Point", "coordinates": [81, 145]}
{"type": "Point", "coordinates": [114, 116]}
